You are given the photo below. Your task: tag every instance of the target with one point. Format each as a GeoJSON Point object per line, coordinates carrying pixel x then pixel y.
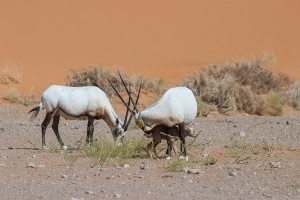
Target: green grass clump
{"type": "Point", "coordinates": [275, 103]}
{"type": "Point", "coordinates": [106, 152]}
{"type": "Point", "coordinates": [176, 165]}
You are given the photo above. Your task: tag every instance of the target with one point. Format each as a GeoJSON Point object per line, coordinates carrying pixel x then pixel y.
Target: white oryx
{"type": "Point", "coordinates": [87, 102]}
{"type": "Point", "coordinates": [177, 106]}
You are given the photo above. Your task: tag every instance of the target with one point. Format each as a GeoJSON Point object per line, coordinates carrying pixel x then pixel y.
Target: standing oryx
{"type": "Point", "coordinates": [177, 106]}
{"type": "Point", "coordinates": [79, 103]}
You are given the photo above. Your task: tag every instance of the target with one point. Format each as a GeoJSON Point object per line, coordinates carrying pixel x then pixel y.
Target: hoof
{"type": "Point", "coordinates": [168, 158]}
{"type": "Point", "coordinates": [44, 147]}
{"type": "Point", "coordinates": [65, 147]}
{"type": "Point", "coordinates": [186, 158]}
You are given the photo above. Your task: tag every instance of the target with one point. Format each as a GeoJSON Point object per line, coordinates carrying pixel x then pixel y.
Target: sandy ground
{"type": "Point", "coordinates": [267, 169]}
{"type": "Point", "coordinates": [155, 39]}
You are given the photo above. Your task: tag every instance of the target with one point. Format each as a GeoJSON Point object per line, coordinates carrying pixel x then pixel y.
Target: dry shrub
{"type": "Point", "coordinates": [237, 85]}
{"type": "Point", "coordinates": [97, 76]}
{"type": "Point", "coordinates": [293, 95]}
{"type": "Point", "coordinates": [13, 96]}
{"type": "Point", "coordinates": [10, 73]}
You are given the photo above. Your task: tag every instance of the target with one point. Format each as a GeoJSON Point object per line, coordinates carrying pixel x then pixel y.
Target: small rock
{"type": "Point", "coordinates": [241, 134]}
{"type": "Point", "coordinates": [232, 173]}
{"type": "Point", "coordinates": [144, 165]}
{"type": "Point", "coordinates": [117, 196]}
{"type": "Point", "coordinates": [2, 165]}
{"type": "Point", "coordinates": [89, 192]}
{"type": "Point", "coordinates": [77, 127]}
{"type": "Point", "coordinates": [33, 156]}
{"type": "Point", "coordinates": [276, 165]}
{"type": "Point", "coordinates": [31, 165]}
{"type": "Point", "coordinates": [126, 165]}
{"type": "Point", "coordinates": [191, 171]}
{"type": "Point", "coordinates": [167, 176]}
{"type": "Point", "coordinates": [141, 176]}
{"type": "Point", "coordinates": [194, 171]}
{"type": "Point", "coordinates": [64, 176]}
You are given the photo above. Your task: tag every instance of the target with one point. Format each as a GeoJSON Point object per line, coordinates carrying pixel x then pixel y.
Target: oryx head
{"type": "Point", "coordinates": [120, 128]}
{"type": "Point", "coordinates": [134, 112]}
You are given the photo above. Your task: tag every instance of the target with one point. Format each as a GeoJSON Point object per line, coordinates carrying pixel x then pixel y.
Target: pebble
{"type": "Point", "coordinates": [117, 196]}
{"type": "Point", "coordinates": [191, 171]}
{"type": "Point", "coordinates": [276, 165]}
{"type": "Point", "coordinates": [89, 192]}
{"type": "Point", "coordinates": [31, 165]}
{"type": "Point", "coordinates": [232, 173]}
{"type": "Point", "coordinates": [64, 176]}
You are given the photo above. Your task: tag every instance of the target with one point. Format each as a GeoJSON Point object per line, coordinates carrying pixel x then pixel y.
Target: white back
{"type": "Point", "coordinates": [177, 105]}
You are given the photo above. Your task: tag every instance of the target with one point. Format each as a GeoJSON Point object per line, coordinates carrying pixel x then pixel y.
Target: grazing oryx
{"type": "Point", "coordinates": [160, 132]}
{"type": "Point", "coordinates": [79, 103]}
{"type": "Point", "coordinates": [177, 106]}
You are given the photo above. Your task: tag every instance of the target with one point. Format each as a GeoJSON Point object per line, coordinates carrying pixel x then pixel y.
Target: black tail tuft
{"type": "Point", "coordinates": [35, 111]}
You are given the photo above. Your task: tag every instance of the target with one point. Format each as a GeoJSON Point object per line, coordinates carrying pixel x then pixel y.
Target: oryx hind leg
{"type": "Point", "coordinates": [44, 125]}
{"type": "Point", "coordinates": [55, 129]}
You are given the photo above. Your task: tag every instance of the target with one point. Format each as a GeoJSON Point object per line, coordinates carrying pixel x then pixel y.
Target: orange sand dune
{"type": "Point", "coordinates": [168, 39]}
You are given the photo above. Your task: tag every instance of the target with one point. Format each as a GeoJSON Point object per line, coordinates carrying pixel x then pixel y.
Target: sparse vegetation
{"type": "Point", "coordinates": [238, 85]}
{"type": "Point", "coordinates": [105, 152]}
{"type": "Point", "coordinates": [13, 96]}
{"type": "Point", "coordinates": [209, 160]}
{"type": "Point", "coordinates": [176, 165]}
{"type": "Point", "coordinates": [275, 102]}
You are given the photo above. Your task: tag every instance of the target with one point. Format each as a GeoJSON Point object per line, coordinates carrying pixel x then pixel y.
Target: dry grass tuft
{"type": "Point", "coordinates": [238, 85]}
{"type": "Point", "coordinates": [293, 95]}
{"type": "Point", "coordinates": [10, 73]}
{"type": "Point", "coordinates": [13, 96]}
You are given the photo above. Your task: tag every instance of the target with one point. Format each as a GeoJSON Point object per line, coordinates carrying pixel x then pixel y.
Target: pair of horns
{"type": "Point", "coordinates": [130, 99]}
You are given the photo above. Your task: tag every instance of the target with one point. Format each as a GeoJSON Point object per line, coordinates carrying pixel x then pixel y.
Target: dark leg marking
{"type": "Point", "coordinates": [44, 125]}
{"type": "Point", "coordinates": [90, 130]}
{"type": "Point", "coordinates": [169, 149]}
{"type": "Point", "coordinates": [182, 138]}
{"type": "Point", "coordinates": [55, 129]}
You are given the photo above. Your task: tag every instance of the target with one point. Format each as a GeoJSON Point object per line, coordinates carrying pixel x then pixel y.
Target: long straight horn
{"type": "Point", "coordinates": [136, 101]}
{"type": "Point", "coordinates": [132, 112]}
{"type": "Point", "coordinates": [134, 104]}
{"type": "Point", "coordinates": [126, 115]}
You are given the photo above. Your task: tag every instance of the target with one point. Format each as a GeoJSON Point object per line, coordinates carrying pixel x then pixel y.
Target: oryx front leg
{"type": "Point", "coordinates": [169, 142]}
{"type": "Point", "coordinates": [182, 139]}
{"type": "Point", "coordinates": [55, 129]}
{"type": "Point", "coordinates": [90, 130]}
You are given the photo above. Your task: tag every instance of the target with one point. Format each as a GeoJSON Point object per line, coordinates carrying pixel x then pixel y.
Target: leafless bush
{"type": "Point", "coordinates": [13, 96]}
{"type": "Point", "coordinates": [97, 76]}
{"type": "Point", "coordinates": [293, 95]}
{"type": "Point", "coordinates": [10, 72]}
{"type": "Point", "coordinates": [237, 85]}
